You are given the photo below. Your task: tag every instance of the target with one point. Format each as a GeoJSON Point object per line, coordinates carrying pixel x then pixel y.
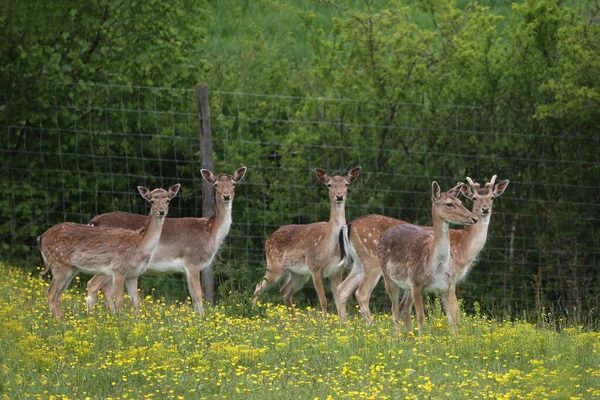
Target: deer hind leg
{"type": "Point", "coordinates": [61, 279]}
{"type": "Point", "coordinates": [132, 284]}
{"type": "Point", "coordinates": [336, 280]}
{"type": "Point", "coordinates": [195, 287]}
{"type": "Point", "coordinates": [393, 290]}
{"type": "Point", "coordinates": [273, 275]}
{"type": "Point", "coordinates": [417, 296]}
{"type": "Point", "coordinates": [366, 286]}
{"type": "Point", "coordinates": [405, 308]}
{"type": "Point", "coordinates": [96, 284]}
{"type": "Point", "coordinates": [346, 288]}
{"type": "Point", "coordinates": [451, 307]}
{"type": "Point", "coordinates": [293, 284]}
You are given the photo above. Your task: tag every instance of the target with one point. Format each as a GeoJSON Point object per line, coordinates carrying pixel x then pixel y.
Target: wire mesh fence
{"type": "Point", "coordinates": [82, 150]}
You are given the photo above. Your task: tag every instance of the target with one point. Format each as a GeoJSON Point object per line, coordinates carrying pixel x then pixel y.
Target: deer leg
{"type": "Point", "coordinates": [119, 286]}
{"type": "Point", "coordinates": [451, 307]}
{"type": "Point", "coordinates": [61, 279]}
{"type": "Point", "coordinates": [417, 296]}
{"type": "Point", "coordinates": [192, 274]}
{"type": "Point", "coordinates": [318, 281]}
{"type": "Point", "coordinates": [372, 272]}
{"type": "Point", "coordinates": [346, 288]}
{"type": "Point", "coordinates": [293, 284]}
{"type": "Point", "coordinates": [273, 275]}
{"type": "Point", "coordinates": [336, 279]}
{"type": "Point", "coordinates": [132, 285]}
{"type": "Point", "coordinates": [405, 308]}
{"type": "Point", "coordinates": [393, 291]}
{"type": "Point", "coordinates": [94, 285]}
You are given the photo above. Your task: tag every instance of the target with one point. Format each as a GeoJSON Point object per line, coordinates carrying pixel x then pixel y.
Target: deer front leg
{"type": "Point", "coordinates": [372, 273]}
{"type": "Point", "coordinates": [405, 309]}
{"type": "Point", "coordinates": [132, 286]}
{"type": "Point", "coordinates": [119, 287]}
{"type": "Point", "coordinates": [336, 280]}
{"type": "Point", "coordinates": [318, 281]}
{"type": "Point", "coordinates": [393, 291]}
{"type": "Point", "coordinates": [192, 274]}
{"type": "Point", "coordinates": [451, 306]}
{"type": "Point", "coordinates": [417, 296]}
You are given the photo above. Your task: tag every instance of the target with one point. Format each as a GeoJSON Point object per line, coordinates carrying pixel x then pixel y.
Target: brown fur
{"type": "Point", "coordinates": [193, 242]}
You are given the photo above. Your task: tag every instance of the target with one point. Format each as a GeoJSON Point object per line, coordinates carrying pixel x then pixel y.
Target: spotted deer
{"type": "Point", "coordinates": [417, 259]}
{"type": "Point", "coordinates": [311, 250]}
{"type": "Point", "coordinates": [120, 255]}
{"type": "Point", "coordinates": [362, 235]}
{"type": "Point", "coordinates": [187, 245]}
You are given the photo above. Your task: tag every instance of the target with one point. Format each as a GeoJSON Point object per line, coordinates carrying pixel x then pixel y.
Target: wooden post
{"type": "Point", "coordinates": [208, 191]}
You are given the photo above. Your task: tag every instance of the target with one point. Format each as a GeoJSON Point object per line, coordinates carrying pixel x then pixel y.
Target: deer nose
{"type": "Point", "coordinates": [226, 197]}
{"type": "Point", "coordinates": [339, 198]}
{"type": "Point", "coordinates": [474, 220]}
{"type": "Point", "coordinates": [485, 210]}
{"type": "Point", "coordinates": [162, 212]}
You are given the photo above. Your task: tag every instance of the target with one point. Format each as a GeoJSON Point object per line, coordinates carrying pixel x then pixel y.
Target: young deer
{"type": "Point", "coordinates": [309, 250]}
{"type": "Point", "coordinates": [366, 271]}
{"type": "Point", "coordinates": [121, 255]}
{"type": "Point", "coordinates": [187, 245]}
{"type": "Point", "coordinates": [420, 260]}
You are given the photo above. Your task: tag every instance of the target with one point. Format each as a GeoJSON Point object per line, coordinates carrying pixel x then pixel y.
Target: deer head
{"type": "Point", "coordinates": [448, 207]}
{"type": "Point", "coordinates": [338, 185]}
{"type": "Point", "coordinates": [159, 198]}
{"type": "Point", "coordinates": [224, 184]}
{"type": "Point", "coordinates": [483, 198]}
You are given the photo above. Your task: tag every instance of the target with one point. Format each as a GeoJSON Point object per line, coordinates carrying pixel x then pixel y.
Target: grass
{"type": "Point", "coordinates": [169, 352]}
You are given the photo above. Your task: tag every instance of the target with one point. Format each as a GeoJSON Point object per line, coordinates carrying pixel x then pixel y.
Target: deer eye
{"type": "Point", "coordinates": [346, 185]}
{"type": "Point", "coordinates": [474, 199]}
{"type": "Point", "coordinates": [168, 201]}
{"type": "Point", "coordinates": [449, 205]}
{"type": "Point", "coordinates": [329, 185]}
{"type": "Point", "coordinates": [151, 201]}
{"type": "Point", "coordinates": [492, 198]}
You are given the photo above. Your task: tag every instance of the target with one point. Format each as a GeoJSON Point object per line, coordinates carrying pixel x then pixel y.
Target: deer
{"type": "Point", "coordinates": [119, 255]}
{"type": "Point", "coordinates": [187, 245]}
{"type": "Point", "coordinates": [418, 259]}
{"type": "Point", "coordinates": [311, 250]}
{"type": "Point", "coordinates": [361, 238]}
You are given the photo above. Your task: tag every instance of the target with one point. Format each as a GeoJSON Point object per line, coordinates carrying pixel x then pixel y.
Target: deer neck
{"type": "Point", "coordinates": [440, 246]}
{"type": "Point", "coordinates": [220, 221]}
{"type": "Point", "coordinates": [151, 235]}
{"type": "Point", "coordinates": [476, 235]}
{"type": "Point", "coordinates": [337, 217]}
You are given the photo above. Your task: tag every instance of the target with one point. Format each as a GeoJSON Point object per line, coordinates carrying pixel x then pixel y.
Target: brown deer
{"type": "Point", "coordinates": [120, 255]}
{"type": "Point", "coordinates": [418, 259]}
{"type": "Point", "coordinates": [187, 245]}
{"type": "Point", "coordinates": [362, 238]}
{"type": "Point", "coordinates": [309, 250]}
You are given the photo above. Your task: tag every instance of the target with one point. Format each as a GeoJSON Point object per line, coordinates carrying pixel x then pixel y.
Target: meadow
{"type": "Point", "coordinates": [170, 352]}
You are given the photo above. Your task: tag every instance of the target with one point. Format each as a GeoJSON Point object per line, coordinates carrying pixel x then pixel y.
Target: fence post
{"type": "Point", "coordinates": [208, 194]}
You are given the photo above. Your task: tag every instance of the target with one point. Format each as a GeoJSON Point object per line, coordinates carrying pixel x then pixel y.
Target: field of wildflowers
{"type": "Point", "coordinates": [170, 352]}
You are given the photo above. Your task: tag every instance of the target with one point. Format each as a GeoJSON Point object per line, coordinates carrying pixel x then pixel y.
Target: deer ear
{"type": "Point", "coordinates": [467, 191]}
{"type": "Point", "coordinates": [435, 191]}
{"type": "Point", "coordinates": [323, 177]}
{"type": "Point", "coordinates": [239, 174]}
{"type": "Point", "coordinates": [145, 192]}
{"type": "Point", "coordinates": [208, 176]}
{"type": "Point", "coordinates": [173, 190]}
{"type": "Point", "coordinates": [353, 174]}
{"type": "Point", "coordinates": [500, 188]}
{"type": "Point", "coordinates": [455, 190]}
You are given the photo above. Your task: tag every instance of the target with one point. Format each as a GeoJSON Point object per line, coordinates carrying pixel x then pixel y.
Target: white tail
{"type": "Point", "coordinates": [309, 250]}
{"type": "Point", "coordinates": [122, 255]}
{"type": "Point", "coordinates": [417, 259]}
{"type": "Point", "coordinates": [466, 243]}
{"type": "Point", "coordinates": [187, 245]}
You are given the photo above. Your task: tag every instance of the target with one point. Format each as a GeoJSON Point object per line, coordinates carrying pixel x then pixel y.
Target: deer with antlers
{"type": "Point", "coordinates": [187, 245]}
{"type": "Point", "coordinates": [311, 250]}
{"type": "Point", "coordinates": [120, 255]}
{"type": "Point", "coordinates": [362, 235]}
{"type": "Point", "coordinates": [418, 259]}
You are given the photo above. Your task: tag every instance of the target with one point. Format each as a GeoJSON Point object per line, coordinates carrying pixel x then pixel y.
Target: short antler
{"type": "Point", "coordinates": [474, 185]}
{"type": "Point", "coordinates": [490, 184]}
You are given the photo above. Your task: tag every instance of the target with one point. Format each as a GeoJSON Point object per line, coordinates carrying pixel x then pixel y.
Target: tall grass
{"type": "Point", "coordinates": [169, 352]}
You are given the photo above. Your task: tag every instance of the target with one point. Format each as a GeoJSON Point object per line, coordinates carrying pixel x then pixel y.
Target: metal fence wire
{"type": "Point", "coordinates": [83, 149]}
